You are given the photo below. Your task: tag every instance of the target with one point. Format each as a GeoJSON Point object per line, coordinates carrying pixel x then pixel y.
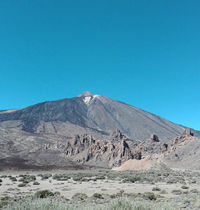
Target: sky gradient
{"type": "Point", "coordinates": [143, 52]}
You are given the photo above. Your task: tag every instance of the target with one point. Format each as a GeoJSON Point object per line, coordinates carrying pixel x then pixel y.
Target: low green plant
{"type": "Point", "coordinates": [131, 179]}
{"type": "Point", "coordinates": [46, 176]}
{"type": "Point", "coordinates": [156, 189]}
{"type": "Point", "coordinates": [61, 177]}
{"type": "Point", "coordinates": [43, 194]}
{"type": "Point", "coordinates": [36, 183]}
{"type": "Point", "coordinates": [184, 187]}
{"type": "Point", "coordinates": [12, 178]}
{"type": "Point", "coordinates": [22, 185]}
{"type": "Point", "coordinates": [149, 196]}
{"type": "Point", "coordinates": [97, 196]}
{"type": "Point", "coordinates": [177, 192]}
{"type": "Point", "coordinates": [79, 196]}
{"type": "Point", "coordinates": [27, 178]}
{"type": "Point", "coordinates": [194, 191]}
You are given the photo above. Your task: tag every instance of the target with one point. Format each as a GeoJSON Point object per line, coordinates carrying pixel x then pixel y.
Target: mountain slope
{"type": "Point", "coordinates": [75, 133]}
{"type": "Point", "coordinates": [89, 113]}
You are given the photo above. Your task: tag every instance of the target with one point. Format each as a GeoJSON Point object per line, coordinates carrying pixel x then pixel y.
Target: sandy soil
{"type": "Point", "coordinates": [139, 165]}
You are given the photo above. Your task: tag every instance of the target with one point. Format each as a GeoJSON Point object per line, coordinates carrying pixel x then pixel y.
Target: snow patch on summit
{"type": "Point", "coordinates": [87, 99]}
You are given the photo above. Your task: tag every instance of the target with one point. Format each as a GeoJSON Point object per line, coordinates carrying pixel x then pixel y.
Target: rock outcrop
{"type": "Point", "coordinates": [183, 151]}
{"type": "Point", "coordinates": [87, 150]}
{"type": "Point", "coordinates": [186, 136]}
{"type": "Point", "coordinates": [151, 147]}
{"type": "Point", "coordinates": [154, 138]}
{"type": "Point", "coordinates": [187, 132]}
{"type": "Point", "coordinates": [117, 135]}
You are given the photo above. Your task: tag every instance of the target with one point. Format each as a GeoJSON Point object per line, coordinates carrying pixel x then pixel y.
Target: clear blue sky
{"type": "Point", "coordinates": [142, 52]}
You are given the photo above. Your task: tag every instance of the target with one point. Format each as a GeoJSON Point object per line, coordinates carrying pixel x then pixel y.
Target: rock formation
{"type": "Point", "coordinates": [85, 149]}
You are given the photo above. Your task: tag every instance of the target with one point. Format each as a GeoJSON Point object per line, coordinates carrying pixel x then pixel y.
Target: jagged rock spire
{"type": "Point", "coordinates": [154, 138]}
{"type": "Point", "coordinates": [117, 135]}
{"type": "Point", "coordinates": [187, 132]}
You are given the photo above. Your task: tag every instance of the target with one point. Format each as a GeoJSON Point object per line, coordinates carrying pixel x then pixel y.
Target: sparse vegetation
{"type": "Point", "coordinates": [27, 178]}
{"type": "Point", "coordinates": [61, 177]}
{"type": "Point", "coordinates": [120, 199]}
{"type": "Point", "coordinates": [116, 204]}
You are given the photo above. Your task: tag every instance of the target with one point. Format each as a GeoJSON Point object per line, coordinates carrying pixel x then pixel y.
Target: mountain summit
{"type": "Point", "coordinates": [85, 94]}
{"type": "Point", "coordinates": [87, 130]}
{"type": "Point", "coordinates": [89, 113]}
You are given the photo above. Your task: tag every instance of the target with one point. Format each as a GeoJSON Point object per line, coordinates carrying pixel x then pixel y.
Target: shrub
{"type": "Point", "coordinates": [36, 183]}
{"type": "Point", "coordinates": [194, 191]}
{"type": "Point", "coordinates": [100, 176]}
{"type": "Point", "coordinates": [116, 204]}
{"type": "Point", "coordinates": [177, 192]}
{"type": "Point", "coordinates": [97, 196]}
{"type": "Point", "coordinates": [121, 204]}
{"type": "Point", "coordinates": [27, 178]}
{"type": "Point", "coordinates": [12, 178]}
{"type": "Point", "coordinates": [61, 177]}
{"type": "Point", "coordinates": [156, 189]}
{"type": "Point", "coordinates": [132, 179]}
{"type": "Point", "coordinates": [46, 176]}
{"type": "Point", "coordinates": [4, 201]}
{"type": "Point", "coordinates": [78, 177]}
{"type": "Point", "coordinates": [184, 187]}
{"type": "Point", "coordinates": [22, 185]}
{"type": "Point", "coordinates": [43, 194]}
{"type": "Point", "coordinates": [79, 196]}
{"type": "Point", "coordinates": [149, 195]}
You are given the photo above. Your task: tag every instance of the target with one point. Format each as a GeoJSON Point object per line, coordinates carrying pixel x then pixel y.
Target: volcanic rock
{"type": "Point", "coordinates": [87, 150]}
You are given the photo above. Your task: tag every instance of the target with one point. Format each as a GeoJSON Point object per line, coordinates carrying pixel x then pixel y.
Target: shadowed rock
{"type": "Point", "coordinates": [154, 138]}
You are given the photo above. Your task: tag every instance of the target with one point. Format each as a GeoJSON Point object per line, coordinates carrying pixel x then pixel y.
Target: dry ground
{"type": "Point", "coordinates": [176, 188]}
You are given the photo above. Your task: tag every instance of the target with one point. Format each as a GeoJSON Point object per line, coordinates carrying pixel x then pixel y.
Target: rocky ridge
{"type": "Point", "coordinates": [181, 152]}
{"type": "Point", "coordinates": [87, 150]}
